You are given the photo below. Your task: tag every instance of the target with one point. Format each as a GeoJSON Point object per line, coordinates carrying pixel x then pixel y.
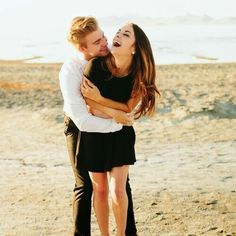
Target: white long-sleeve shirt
{"type": "Point", "coordinates": [70, 77]}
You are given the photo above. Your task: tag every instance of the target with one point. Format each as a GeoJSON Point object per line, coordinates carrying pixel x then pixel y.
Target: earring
{"type": "Point", "coordinates": [133, 53]}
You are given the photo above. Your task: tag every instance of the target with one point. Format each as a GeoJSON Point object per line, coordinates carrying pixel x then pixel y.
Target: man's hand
{"type": "Point", "coordinates": [119, 116]}
{"type": "Point", "coordinates": [98, 113]}
{"type": "Point", "coordinates": [89, 90]}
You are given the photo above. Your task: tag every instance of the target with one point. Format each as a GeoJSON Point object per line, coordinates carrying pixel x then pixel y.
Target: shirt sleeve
{"type": "Point", "coordinates": [70, 77]}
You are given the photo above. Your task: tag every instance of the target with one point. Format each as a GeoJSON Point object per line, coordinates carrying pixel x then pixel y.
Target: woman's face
{"type": "Point", "coordinates": [124, 41]}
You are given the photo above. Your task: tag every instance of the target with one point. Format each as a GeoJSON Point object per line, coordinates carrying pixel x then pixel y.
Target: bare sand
{"type": "Point", "coordinates": [184, 181]}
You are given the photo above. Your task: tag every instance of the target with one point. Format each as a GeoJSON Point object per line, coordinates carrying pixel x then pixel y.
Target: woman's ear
{"type": "Point", "coordinates": [133, 50]}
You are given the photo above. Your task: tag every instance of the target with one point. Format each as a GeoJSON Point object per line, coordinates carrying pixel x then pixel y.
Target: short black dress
{"type": "Point", "coordinates": [100, 152]}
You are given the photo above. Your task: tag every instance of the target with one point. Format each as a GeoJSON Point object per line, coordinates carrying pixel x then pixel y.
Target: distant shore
{"type": "Point", "coordinates": [36, 60]}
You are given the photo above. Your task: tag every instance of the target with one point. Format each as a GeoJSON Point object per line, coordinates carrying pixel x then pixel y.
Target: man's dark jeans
{"type": "Point", "coordinates": [81, 202]}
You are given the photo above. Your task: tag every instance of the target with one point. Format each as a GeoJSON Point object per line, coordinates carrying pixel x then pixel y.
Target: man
{"type": "Point", "coordinates": [88, 39]}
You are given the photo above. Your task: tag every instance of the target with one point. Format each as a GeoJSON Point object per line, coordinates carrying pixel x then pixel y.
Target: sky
{"type": "Point", "coordinates": [32, 17]}
{"type": "Point", "coordinates": [64, 8]}
{"type": "Point", "coordinates": [26, 11]}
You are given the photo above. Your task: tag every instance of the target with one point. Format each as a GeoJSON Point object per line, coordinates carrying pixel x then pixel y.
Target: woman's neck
{"type": "Point", "coordinates": [123, 65]}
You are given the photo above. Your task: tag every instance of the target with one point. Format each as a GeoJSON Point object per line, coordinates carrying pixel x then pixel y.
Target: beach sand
{"type": "Point", "coordinates": [184, 180]}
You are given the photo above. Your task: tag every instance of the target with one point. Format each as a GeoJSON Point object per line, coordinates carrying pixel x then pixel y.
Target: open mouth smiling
{"type": "Point", "coordinates": [116, 44]}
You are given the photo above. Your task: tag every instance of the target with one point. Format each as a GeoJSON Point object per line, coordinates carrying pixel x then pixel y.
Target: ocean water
{"type": "Point", "coordinates": [171, 44]}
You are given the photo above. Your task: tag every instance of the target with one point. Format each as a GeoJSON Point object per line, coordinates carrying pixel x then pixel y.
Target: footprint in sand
{"type": "Point", "coordinates": [226, 178]}
{"type": "Point", "coordinates": [213, 202]}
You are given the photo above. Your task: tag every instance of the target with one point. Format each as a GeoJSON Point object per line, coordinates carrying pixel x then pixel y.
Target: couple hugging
{"type": "Point", "coordinates": [104, 90]}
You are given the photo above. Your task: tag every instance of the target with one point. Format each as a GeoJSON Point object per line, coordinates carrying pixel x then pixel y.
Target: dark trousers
{"type": "Point", "coordinates": [81, 202]}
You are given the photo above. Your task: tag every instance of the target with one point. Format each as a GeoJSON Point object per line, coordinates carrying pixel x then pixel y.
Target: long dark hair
{"type": "Point", "coordinates": [143, 69]}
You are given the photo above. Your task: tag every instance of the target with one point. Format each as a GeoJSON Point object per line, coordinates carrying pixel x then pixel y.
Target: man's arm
{"type": "Point", "coordinates": [70, 77]}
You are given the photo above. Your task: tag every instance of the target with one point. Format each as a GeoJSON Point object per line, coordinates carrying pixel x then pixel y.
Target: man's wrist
{"type": "Point", "coordinates": [111, 112]}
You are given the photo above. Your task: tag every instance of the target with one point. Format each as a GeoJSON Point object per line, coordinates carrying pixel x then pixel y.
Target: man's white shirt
{"type": "Point", "coordinates": [70, 77]}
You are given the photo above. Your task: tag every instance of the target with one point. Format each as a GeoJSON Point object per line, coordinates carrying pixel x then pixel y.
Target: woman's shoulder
{"type": "Point", "coordinates": [96, 60]}
{"type": "Point", "coordinates": [93, 65]}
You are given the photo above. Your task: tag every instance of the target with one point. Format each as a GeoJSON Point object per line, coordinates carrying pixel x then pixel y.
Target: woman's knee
{"type": "Point", "coordinates": [101, 191]}
{"type": "Point", "coordinates": [118, 192]}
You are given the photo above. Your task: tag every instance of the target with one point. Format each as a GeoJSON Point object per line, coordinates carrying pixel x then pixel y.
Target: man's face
{"type": "Point", "coordinates": [96, 45]}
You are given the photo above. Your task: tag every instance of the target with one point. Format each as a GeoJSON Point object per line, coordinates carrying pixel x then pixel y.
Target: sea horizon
{"type": "Point", "coordinates": [179, 40]}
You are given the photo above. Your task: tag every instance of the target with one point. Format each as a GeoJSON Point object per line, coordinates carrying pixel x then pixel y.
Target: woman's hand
{"type": "Point", "coordinates": [89, 90]}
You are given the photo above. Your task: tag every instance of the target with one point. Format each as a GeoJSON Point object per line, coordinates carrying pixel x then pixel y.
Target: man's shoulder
{"type": "Point", "coordinates": [73, 64]}
{"type": "Point", "coordinates": [75, 60]}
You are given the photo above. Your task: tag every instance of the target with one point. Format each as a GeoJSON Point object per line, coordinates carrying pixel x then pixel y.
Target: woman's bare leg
{"type": "Point", "coordinates": [117, 185]}
{"type": "Point", "coordinates": [100, 200]}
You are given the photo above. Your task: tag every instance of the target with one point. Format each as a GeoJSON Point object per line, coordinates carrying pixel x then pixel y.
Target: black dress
{"type": "Point", "coordinates": [100, 152]}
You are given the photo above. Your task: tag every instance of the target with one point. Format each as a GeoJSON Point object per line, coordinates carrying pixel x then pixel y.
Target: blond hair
{"type": "Point", "coordinates": [80, 27]}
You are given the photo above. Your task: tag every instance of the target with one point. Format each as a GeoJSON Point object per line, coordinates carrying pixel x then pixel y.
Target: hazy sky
{"type": "Point", "coordinates": [31, 16]}
{"type": "Point", "coordinates": [215, 8]}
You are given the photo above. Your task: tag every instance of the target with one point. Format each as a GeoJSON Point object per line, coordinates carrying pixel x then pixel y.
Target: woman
{"type": "Point", "coordinates": [122, 80]}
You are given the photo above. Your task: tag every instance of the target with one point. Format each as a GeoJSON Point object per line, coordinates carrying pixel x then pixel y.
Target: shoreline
{"type": "Point", "coordinates": [27, 61]}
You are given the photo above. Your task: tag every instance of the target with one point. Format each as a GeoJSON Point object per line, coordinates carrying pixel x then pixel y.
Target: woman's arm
{"type": "Point", "coordinates": [89, 90]}
{"type": "Point", "coordinates": [118, 115]}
